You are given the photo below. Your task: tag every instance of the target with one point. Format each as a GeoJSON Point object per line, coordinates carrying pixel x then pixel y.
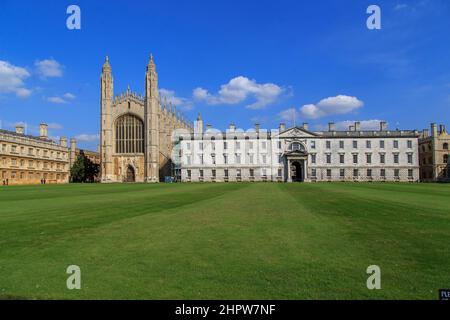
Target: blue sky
{"type": "Point", "coordinates": [234, 61]}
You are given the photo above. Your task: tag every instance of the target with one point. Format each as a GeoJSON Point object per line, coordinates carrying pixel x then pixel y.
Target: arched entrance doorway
{"type": "Point", "coordinates": [297, 172]}
{"type": "Point", "coordinates": [131, 176]}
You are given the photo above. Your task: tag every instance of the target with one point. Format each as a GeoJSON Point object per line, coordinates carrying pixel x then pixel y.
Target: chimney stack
{"type": "Point", "coordinates": [63, 142]}
{"type": "Point", "coordinates": [331, 126]}
{"type": "Point", "coordinates": [232, 127]}
{"type": "Point", "coordinates": [434, 130]}
{"type": "Point", "coordinates": [257, 127]}
{"type": "Point", "coordinates": [351, 128]}
{"type": "Point", "coordinates": [383, 126]}
{"type": "Point", "coordinates": [282, 127]}
{"type": "Point", "coordinates": [357, 126]}
{"type": "Point", "coordinates": [425, 133]}
{"type": "Point", "coordinates": [19, 129]}
{"type": "Point", "coordinates": [442, 129]}
{"type": "Point", "coordinates": [208, 126]}
{"type": "Point", "coordinates": [43, 131]}
{"type": "Point", "coordinates": [305, 125]}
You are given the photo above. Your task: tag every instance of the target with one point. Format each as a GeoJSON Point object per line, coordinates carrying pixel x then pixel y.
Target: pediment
{"type": "Point", "coordinates": [296, 133]}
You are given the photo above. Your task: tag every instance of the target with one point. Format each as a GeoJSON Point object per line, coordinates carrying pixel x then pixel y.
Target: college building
{"type": "Point", "coordinates": [144, 139]}
{"type": "Point", "coordinates": [27, 159]}
{"type": "Point", "coordinates": [297, 154]}
{"type": "Point", "coordinates": [136, 131]}
{"type": "Point", "coordinates": [434, 154]}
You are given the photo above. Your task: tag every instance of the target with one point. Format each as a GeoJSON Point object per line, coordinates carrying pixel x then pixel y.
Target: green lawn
{"type": "Point", "coordinates": [225, 241]}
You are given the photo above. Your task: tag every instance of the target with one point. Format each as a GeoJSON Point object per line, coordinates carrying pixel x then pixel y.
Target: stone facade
{"type": "Point", "coordinates": [91, 155]}
{"type": "Point", "coordinates": [297, 154]}
{"type": "Point", "coordinates": [26, 159]}
{"type": "Point", "coordinates": [433, 154]}
{"type": "Point", "coordinates": [136, 131]}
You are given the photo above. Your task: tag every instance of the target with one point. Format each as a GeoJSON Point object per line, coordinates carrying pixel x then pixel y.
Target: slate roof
{"type": "Point", "coordinates": [19, 135]}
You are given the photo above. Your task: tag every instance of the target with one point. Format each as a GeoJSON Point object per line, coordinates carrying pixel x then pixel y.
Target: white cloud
{"type": "Point", "coordinates": [340, 104]}
{"type": "Point", "coordinates": [55, 126]}
{"type": "Point", "coordinates": [61, 100]}
{"type": "Point", "coordinates": [69, 95]}
{"type": "Point", "coordinates": [400, 6]}
{"type": "Point", "coordinates": [49, 68]}
{"type": "Point", "coordinates": [57, 100]}
{"type": "Point", "coordinates": [288, 114]}
{"type": "Point", "coordinates": [171, 97]}
{"type": "Point", "coordinates": [12, 79]}
{"type": "Point", "coordinates": [238, 90]}
{"type": "Point", "coordinates": [88, 137]}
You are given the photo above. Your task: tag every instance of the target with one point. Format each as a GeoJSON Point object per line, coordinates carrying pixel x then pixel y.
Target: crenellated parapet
{"type": "Point", "coordinates": [129, 96]}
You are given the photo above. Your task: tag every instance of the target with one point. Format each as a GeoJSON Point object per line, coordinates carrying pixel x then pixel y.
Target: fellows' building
{"type": "Point", "coordinates": [136, 131]}
{"type": "Point", "coordinates": [26, 159]}
{"type": "Point", "coordinates": [298, 154]}
{"type": "Point", "coordinates": [434, 154]}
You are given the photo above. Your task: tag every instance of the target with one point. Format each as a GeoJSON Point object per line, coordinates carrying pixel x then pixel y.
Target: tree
{"type": "Point", "coordinates": [83, 169]}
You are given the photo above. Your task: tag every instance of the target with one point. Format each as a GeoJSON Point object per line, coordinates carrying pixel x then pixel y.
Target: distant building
{"type": "Point", "coordinates": [26, 159]}
{"type": "Point", "coordinates": [93, 156]}
{"type": "Point", "coordinates": [298, 154]}
{"type": "Point", "coordinates": [434, 154]}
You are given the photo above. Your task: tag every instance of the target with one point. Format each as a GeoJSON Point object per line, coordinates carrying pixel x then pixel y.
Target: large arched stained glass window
{"type": "Point", "coordinates": [129, 135]}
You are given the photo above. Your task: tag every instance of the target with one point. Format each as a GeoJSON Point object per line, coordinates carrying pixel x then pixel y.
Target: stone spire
{"type": "Point", "coordinates": [199, 117]}
{"type": "Point", "coordinates": [152, 109]}
{"type": "Point", "coordinates": [165, 105]}
{"type": "Point", "coordinates": [151, 64]}
{"type": "Point", "coordinates": [106, 66]}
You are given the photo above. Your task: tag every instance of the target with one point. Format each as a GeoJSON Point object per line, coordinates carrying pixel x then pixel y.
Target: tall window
{"type": "Point", "coordinates": [445, 146]}
{"type": "Point", "coordinates": [396, 158]}
{"type": "Point", "coordinates": [295, 146]}
{"type": "Point", "coordinates": [129, 135]}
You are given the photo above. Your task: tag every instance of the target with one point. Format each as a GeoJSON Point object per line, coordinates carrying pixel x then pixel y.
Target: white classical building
{"type": "Point", "coordinates": [296, 154]}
